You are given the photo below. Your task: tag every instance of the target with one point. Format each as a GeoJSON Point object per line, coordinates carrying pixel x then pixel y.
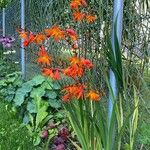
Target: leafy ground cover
{"type": "Point", "coordinates": [12, 135]}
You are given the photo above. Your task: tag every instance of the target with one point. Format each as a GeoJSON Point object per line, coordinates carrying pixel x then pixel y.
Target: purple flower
{"type": "Point", "coordinates": [44, 134]}
{"type": "Point", "coordinates": [7, 45]}
{"type": "Point", "coordinates": [60, 147]}
{"type": "Point", "coordinates": [64, 133]}
{"type": "Point", "coordinates": [58, 140]}
{"type": "Point", "coordinates": [2, 39]}
{"type": "Point", "coordinates": [7, 41]}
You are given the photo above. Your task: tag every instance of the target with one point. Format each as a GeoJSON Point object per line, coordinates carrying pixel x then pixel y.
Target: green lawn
{"type": "Point", "coordinates": [12, 136]}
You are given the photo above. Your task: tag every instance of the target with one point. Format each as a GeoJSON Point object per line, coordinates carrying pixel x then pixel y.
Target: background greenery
{"type": "Point", "coordinates": [12, 135]}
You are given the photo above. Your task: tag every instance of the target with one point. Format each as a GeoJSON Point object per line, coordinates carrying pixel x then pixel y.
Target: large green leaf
{"type": "Point", "coordinates": [41, 115]}
{"type": "Point", "coordinates": [31, 107]}
{"type": "Point", "coordinates": [37, 92]}
{"type": "Point", "coordinates": [47, 85]}
{"type": "Point", "coordinates": [55, 103]}
{"type": "Point", "coordinates": [3, 83]}
{"type": "Point", "coordinates": [21, 94]}
{"type": "Point", "coordinates": [56, 86]}
{"type": "Point", "coordinates": [27, 87]}
{"type": "Point", "coordinates": [37, 80]}
{"type": "Point", "coordinates": [51, 94]}
{"type": "Point", "coordinates": [19, 97]}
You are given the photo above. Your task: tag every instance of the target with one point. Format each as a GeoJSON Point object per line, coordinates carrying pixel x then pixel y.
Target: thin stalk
{"type": "Point", "coordinates": [4, 19]}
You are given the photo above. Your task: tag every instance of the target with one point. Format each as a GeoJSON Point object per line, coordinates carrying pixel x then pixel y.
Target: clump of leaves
{"type": "Point", "coordinates": [37, 102]}
{"type": "Point", "coordinates": [39, 86]}
{"type": "Point", "coordinates": [9, 85]}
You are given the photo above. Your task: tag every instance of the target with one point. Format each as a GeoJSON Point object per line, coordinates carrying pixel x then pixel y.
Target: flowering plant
{"type": "Point", "coordinates": [7, 41]}
{"type": "Point", "coordinates": [80, 100]}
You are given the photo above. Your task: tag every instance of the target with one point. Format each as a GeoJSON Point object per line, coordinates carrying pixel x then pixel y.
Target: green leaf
{"type": "Point", "coordinates": [56, 86]}
{"type": "Point", "coordinates": [126, 146]}
{"type": "Point", "coordinates": [19, 97]}
{"type": "Point", "coordinates": [37, 80]}
{"type": "Point", "coordinates": [10, 97]}
{"type": "Point", "coordinates": [41, 111]}
{"type": "Point", "coordinates": [26, 119]}
{"type": "Point", "coordinates": [51, 94]}
{"type": "Point", "coordinates": [37, 141]}
{"type": "Point", "coordinates": [47, 85]}
{"type": "Point", "coordinates": [54, 103]}
{"type": "Point", "coordinates": [21, 93]}
{"type": "Point", "coordinates": [10, 80]}
{"type": "Point", "coordinates": [37, 92]}
{"type": "Point", "coordinates": [3, 83]}
{"type": "Point", "coordinates": [26, 88]}
{"type": "Point", "coordinates": [31, 107]}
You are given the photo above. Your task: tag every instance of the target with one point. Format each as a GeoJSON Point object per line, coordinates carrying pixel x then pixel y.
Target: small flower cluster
{"type": "Point", "coordinates": [55, 32]}
{"type": "Point", "coordinates": [61, 139]}
{"type": "Point", "coordinates": [78, 65]}
{"type": "Point", "coordinates": [78, 15]}
{"type": "Point", "coordinates": [7, 41]}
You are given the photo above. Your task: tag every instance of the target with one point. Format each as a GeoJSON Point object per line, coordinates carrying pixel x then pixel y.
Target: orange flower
{"type": "Point", "coordinates": [42, 51]}
{"type": "Point", "coordinates": [77, 67]}
{"type": "Point", "coordinates": [74, 60]}
{"type": "Point", "coordinates": [29, 39]}
{"type": "Point", "coordinates": [53, 73]}
{"type": "Point", "coordinates": [87, 63]}
{"type": "Point", "coordinates": [74, 71]}
{"type": "Point", "coordinates": [75, 91]}
{"type": "Point", "coordinates": [27, 36]}
{"type": "Point", "coordinates": [22, 33]}
{"type": "Point", "coordinates": [90, 18]}
{"type": "Point", "coordinates": [39, 38]}
{"type": "Point", "coordinates": [94, 96]}
{"type": "Point", "coordinates": [76, 3]}
{"type": "Point", "coordinates": [44, 58]}
{"type": "Point", "coordinates": [47, 72]}
{"type": "Point", "coordinates": [56, 32]}
{"type": "Point", "coordinates": [78, 16]}
{"type": "Point", "coordinates": [72, 34]}
{"type": "Point", "coordinates": [82, 62]}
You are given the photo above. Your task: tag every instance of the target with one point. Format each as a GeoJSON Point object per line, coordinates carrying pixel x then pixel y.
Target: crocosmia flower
{"type": "Point", "coordinates": [90, 18]}
{"type": "Point", "coordinates": [53, 73]}
{"type": "Point", "coordinates": [44, 58]}
{"type": "Point", "coordinates": [75, 4]}
{"type": "Point", "coordinates": [78, 16]}
{"type": "Point", "coordinates": [72, 34]}
{"type": "Point", "coordinates": [56, 32]}
{"type": "Point", "coordinates": [93, 96]}
{"type": "Point", "coordinates": [75, 91]}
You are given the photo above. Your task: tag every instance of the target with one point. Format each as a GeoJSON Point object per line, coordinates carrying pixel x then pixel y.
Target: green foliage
{"type": "Point", "coordinates": [36, 100]}
{"type": "Point", "coordinates": [40, 87]}
{"type": "Point", "coordinates": [4, 3]}
{"type": "Point", "coordinates": [9, 85]}
{"type": "Point", "coordinates": [35, 122]}
{"type": "Point", "coordinates": [114, 57]}
{"type": "Point", "coordinates": [6, 67]}
{"type": "Point", "coordinates": [12, 135]}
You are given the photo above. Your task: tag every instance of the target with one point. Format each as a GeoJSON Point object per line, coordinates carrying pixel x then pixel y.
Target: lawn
{"type": "Point", "coordinates": [12, 135]}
